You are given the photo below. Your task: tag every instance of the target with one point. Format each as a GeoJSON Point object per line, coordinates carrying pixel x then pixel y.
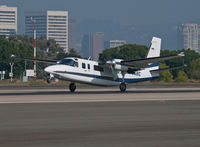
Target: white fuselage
{"type": "Point", "coordinates": [87, 71]}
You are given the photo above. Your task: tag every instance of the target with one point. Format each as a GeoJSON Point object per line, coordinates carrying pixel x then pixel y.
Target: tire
{"type": "Point", "coordinates": [48, 80]}
{"type": "Point", "coordinates": [72, 87]}
{"type": "Point", "coordinates": [122, 87]}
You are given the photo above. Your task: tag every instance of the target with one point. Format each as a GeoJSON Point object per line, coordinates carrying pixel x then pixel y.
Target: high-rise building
{"type": "Point", "coordinates": [188, 37]}
{"type": "Point", "coordinates": [72, 33]}
{"type": "Point", "coordinates": [87, 46]}
{"type": "Point", "coordinates": [8, 20]}
{"type": "Point", "coordinates": [50, 25]}
{"type": "Point", "coordinates": [41, 24]}
{"type": "Point", "coordinates": [92, 45]}
{"type": "Point", "coordinates": [117, 43]}
{"type": "Point", "coordinates": [98, 45]}
{"type": "Point", "coordinates": [106, 44]}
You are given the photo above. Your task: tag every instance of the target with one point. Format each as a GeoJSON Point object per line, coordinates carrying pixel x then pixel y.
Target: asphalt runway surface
{"type": "Point", "coordinates": [165, 117]}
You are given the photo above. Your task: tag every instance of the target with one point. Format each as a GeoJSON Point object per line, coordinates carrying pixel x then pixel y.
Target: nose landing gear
{"type": "Point", "coordinates": [72, 87]}
{"type": "Point", "coordinates": [49, 78]}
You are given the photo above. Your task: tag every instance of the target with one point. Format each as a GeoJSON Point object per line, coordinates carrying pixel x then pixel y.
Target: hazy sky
{"type": "Point", "coordinates": [122, 11]}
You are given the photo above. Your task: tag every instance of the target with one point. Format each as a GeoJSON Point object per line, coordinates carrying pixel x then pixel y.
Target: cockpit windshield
{"type": "Point", "coordinates": [69, 62]}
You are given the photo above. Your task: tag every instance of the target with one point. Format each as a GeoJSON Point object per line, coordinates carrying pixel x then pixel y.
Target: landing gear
{"type": "Point", "coordinates": [72, 87]}
{"type": "Point", "coordinates": [122, 87]}
{"type": "Point", "coordinates": [48, 80]}
{"type": "Point", "coordinates": [50, 77]}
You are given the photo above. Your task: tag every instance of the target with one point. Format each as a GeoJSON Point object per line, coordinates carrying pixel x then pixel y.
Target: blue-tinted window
{"type": "Point", "coordinates": [83, 65]}
{"type": "Point", "coordinates": [69, 62]}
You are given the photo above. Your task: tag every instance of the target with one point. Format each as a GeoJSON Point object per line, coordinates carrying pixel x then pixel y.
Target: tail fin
{"type": "Point", "coordinates": [154, 50]}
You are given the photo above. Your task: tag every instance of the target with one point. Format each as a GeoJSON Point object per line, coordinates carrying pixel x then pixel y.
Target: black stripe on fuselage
{"type": "Point", "coordinates": [87, 75]}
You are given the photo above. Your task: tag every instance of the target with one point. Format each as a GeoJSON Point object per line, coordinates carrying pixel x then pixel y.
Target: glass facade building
{"type": "Point", "coordinates": [50, 25]}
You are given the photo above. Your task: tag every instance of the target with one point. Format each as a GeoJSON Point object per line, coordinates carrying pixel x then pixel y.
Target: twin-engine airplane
{"type": "Point", "coordinates": [111, 73]}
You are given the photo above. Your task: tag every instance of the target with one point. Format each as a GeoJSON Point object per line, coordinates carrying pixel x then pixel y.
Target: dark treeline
{"type": "Point", "coordinates": [22, 46]}
{"type": "Point", "coordinates": [48, 49]}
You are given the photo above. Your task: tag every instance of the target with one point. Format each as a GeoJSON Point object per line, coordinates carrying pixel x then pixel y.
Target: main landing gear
{"type": "Point", "coordinates": [72, 87]}
{"type": "Point", "coordinates": [122, 87]}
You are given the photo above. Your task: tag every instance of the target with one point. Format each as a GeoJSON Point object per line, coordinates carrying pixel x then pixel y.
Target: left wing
{"type": "Point", "coordinates": [38, 60]}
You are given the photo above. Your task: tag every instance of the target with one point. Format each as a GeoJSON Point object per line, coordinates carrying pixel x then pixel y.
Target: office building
{"type": "Point", "coordinates": [117, 43]}
{"type": "Point", "coordinates": [92, 45]}
{"type": "Point", "coordinates": [72, 33]}
{"type": "Point", "coordinates": [98, 45]}
{"type": "Point", "coordinates": [50, 25]}
{"type": "Point", "coordinates": [87, 46]}
{"type": "Point", "coordinates": [188, 37]}
{"type": "Point", "coordinates": [41, 24]}
{"type": "Point", "coordinates": [8, 20]}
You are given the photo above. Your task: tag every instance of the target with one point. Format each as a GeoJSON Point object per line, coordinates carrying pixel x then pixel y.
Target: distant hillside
{"type": "Point", "coordinates": [140, 34]}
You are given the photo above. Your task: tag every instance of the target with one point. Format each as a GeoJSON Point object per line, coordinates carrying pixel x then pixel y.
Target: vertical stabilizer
{"type": "Point", "coordinates": [154, 50]}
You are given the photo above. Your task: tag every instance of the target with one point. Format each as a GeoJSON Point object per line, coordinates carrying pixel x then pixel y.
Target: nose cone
{"type": "Point", "coordinates": [48, 69]}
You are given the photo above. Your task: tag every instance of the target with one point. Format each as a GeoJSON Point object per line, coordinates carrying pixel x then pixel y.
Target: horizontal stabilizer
{"type": "Point", "coordinates": [166, 69]}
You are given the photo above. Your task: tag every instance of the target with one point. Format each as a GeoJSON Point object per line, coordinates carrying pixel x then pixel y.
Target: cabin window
{"type": "Point", "coordinates": [88, 66]}
{"type": "Point", "coordinates": [98, 68]}
{"type": "Point", "coordinates": [69, 62]}
{"type": "Point", "coordinates": [83, 65]}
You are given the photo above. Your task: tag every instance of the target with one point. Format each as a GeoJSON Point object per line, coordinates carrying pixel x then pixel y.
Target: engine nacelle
{"type": "Point", "coordinates": [116, 64]}
{"type": "Point", "coordinates": [120, 67]}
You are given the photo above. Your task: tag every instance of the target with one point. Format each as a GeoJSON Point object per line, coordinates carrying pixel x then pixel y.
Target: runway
{"type": "Point", "coordinates": [100, 117]}
{"type": "Point", "coordinates": [97, 95]}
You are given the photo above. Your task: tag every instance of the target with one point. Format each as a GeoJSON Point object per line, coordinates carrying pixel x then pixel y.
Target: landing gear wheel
{"type": "Point", "coordinates": [72, 87]}
{"type": "Point", "coordinates": [122, 87]}
{"type": "Point", "coordinates": [48, 80]}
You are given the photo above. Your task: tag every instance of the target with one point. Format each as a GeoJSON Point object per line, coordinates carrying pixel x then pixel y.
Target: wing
{"type": "Point", "coordinates": [131, 66]}
{"type": "Point", "coordinates": [38, 60]}
{"type": "Point", "coordinates": [143, 63]}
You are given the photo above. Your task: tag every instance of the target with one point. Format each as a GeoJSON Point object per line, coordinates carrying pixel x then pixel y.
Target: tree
{"type": "Point", "coordinates": [163, 66]}
{"type": "Point", "coordinates": [126, 52]}
{"type": "Point", "coordinates": [189, 56]}
{"type": "Point", "coordinates": [72, 53]}
{"type": "Point", "coordinates": [9, 47]}
{"type": "Point", "coordinates": [195, 69]}
{"type": "Point", "coordinates": [182, 77]}
{"type": "Point", "coordinates": [166, 76]}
